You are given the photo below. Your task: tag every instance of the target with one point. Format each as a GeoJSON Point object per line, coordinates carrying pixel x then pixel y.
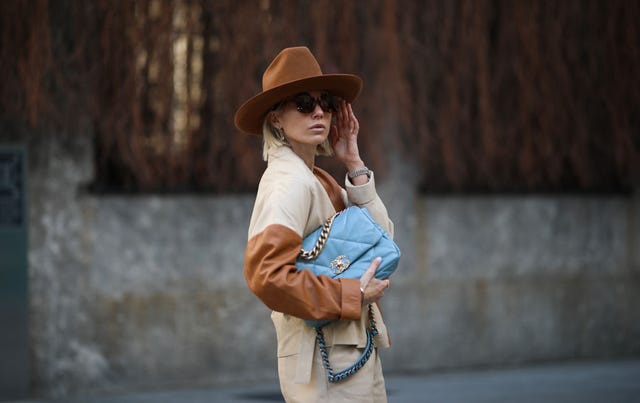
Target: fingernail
{"type": "Point", "coordinates": [378, 259]}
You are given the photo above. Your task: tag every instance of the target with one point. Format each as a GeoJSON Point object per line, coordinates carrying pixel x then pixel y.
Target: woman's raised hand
{"type": "Point", "coordinates": [344, 137]}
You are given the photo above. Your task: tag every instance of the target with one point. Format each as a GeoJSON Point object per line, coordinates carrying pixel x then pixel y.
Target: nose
{"type": "Point", "coordinates": [317, 111]}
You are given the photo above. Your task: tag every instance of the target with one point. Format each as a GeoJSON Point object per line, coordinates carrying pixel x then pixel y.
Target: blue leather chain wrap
{"type": "Point", "coordinates": [335, 377]}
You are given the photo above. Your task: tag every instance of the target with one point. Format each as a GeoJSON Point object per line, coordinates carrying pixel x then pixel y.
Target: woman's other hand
{"type": "Point", "coordinates": [373, 289]}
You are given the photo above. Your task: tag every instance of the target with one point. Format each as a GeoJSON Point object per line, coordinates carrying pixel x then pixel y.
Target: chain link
{"type": "Point", "coordinates": [322, 239]}
{"type": "Point", "coordinates": [335, 377]}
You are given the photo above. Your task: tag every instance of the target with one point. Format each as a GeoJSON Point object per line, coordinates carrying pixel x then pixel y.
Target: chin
{"type": "Point", "coordinates": [320, 137]}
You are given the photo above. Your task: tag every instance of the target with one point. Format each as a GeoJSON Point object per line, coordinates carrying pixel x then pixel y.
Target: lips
{"type": "Point", "coordinates": [318, 126]}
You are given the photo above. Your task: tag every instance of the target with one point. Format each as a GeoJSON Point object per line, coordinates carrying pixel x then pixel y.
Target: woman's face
{"type": "Point", "coordinates": [303, 130]}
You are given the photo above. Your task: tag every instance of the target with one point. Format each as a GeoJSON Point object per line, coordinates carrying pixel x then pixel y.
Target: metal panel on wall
{"type": "Point", "coordinates": [14, 340]}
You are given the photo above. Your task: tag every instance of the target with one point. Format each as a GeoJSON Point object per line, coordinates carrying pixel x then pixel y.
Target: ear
{"type": "Point", "coordinates": [274, 119]}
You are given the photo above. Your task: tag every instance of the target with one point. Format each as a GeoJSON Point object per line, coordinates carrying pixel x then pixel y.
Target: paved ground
{"type": "Point", "coordinates": [584, 382]}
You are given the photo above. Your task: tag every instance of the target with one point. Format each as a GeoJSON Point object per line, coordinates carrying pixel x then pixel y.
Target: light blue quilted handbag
{"type": "Point", "coordinates": [344, 247]}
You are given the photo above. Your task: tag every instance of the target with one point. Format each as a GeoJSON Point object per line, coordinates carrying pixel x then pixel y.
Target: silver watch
{"type": "Point", "coordinates": [358, 172]}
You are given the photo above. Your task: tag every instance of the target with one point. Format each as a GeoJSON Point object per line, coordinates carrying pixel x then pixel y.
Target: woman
{"type": "Point", "coordinates": [302, 113]}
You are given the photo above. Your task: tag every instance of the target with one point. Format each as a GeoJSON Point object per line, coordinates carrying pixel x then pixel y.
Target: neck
{"type": "Point", "coordinates": [306, 152]}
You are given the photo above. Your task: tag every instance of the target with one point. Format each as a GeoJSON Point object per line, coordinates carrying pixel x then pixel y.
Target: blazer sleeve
{"type": "Point", "coordinates": [366, 196]}
{"type": "Point", "coordinates": [272, 275]}
{"type": "Point", "coordinates": [270, 256]}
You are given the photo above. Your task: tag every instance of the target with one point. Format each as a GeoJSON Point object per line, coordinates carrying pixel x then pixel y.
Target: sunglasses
{"type": "Point", "coordinates": [305, 103]}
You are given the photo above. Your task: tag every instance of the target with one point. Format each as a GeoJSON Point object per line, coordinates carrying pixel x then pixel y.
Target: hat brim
{"type": "Point", "coordinates": [250, 116]}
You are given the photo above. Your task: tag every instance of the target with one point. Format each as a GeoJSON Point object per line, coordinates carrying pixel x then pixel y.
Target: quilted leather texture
{"type": "Point", "coordinates": [354, 241]}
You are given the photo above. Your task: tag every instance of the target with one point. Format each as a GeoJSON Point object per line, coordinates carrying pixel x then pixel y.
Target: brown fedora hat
{"type": "Point", "coordinates": [292, 71]}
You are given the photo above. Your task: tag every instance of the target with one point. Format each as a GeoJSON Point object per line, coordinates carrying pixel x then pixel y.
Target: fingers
{"type": "Point", "coordinates": [371, 271]}
{"type": "Point", "coordinates": [342, 115]}
{"type": "Point", "coordinates": [375, 290]}
{"type": "Point", "coordinates": [340, 122]}
{"type": "Point", "coordinates": [354, 125]}
{"type": "Point", "coordinates": [333, 134]}
{"type": "Point", "coordinates": [346, 114]}
{"type": "Point", "coordinates": [346, 119]}
{"type": "Point", "coordinates": [377, 287]}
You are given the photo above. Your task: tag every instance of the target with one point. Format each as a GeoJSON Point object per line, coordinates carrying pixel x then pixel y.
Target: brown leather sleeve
{"type": "Point", "coordinates": [271, 274]}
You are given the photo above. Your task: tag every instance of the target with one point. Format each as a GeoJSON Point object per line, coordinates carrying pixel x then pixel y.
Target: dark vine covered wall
{"type": "Point", "coordinates": [494, 96]}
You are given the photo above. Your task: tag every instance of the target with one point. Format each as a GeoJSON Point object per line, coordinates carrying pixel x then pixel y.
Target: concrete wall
{"type": "Point", "coordinates": [148, 292]}
{"type": "Point", "coordinates": [508, 280]}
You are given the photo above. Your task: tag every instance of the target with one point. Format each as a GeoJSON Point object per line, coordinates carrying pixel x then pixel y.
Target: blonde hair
{"type": "Point", "coordinates": [273, 137]}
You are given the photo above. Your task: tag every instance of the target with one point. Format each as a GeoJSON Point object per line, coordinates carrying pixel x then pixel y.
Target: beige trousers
{"type": "Point", "coordinates": [365, 386]}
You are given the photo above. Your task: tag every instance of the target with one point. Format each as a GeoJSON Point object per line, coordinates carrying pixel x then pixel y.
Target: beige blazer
{"type": "Point", "coordinates": [291, 202]}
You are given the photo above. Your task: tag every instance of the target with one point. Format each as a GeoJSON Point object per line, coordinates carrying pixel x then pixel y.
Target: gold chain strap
{"type": "Point", "coordinates": [322, 239]}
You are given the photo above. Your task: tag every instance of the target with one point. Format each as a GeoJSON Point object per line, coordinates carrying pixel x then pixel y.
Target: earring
{"type": "Point", "coordinates": [279, 134]}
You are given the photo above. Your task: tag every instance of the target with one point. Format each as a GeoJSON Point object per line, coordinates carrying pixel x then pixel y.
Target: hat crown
{"type": "Point", "coordinates": [292, 71]}
{"type": "Point", "coordinates": [290, 65]}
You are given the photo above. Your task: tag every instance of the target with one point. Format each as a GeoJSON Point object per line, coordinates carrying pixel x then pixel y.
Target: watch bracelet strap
{"type": "Point", "coordinates": [358, 172]}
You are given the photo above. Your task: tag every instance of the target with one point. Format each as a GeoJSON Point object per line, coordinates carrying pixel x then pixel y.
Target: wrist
{"type": "Point", "coordinates": [354, 165]}
{"type": "Point", "coordinates": [359, 176]}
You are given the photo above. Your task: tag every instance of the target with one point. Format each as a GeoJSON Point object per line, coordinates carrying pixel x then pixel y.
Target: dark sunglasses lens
{"type": "Point", "coordinates": [305, 103]}
{"type": "Point", "coordinates": [328, 103]}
